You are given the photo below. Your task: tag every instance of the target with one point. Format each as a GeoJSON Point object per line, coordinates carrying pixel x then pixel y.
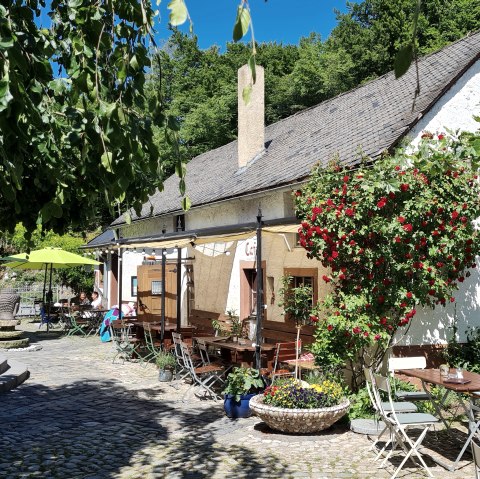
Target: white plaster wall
{"type": "Point", "coordinates": [237, 211]}
{"type": "Point", "coordinates": [454, 111]}
{"type": "Point", "coordinates": [278, 252]}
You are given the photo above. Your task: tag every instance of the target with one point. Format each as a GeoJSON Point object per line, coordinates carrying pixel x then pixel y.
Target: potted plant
{"type": "Point", "coordinates": [298, 407]}
{"type": "Point", "coordinates": [241, 385]}
{"type": "Point", "coordinates": [237, 325]}
{"type": "Point", "coordinates": [166, 363]}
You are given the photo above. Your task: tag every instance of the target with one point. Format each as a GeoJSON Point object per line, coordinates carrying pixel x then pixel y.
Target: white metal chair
{"type": "Point", "coordinates": [402, 406]}
{"type": "Point", "coordinates": [414, 362]}
{"type": "Point", "coordinates": [399, 425]}
{"type": "Point", "coordinates": [476, 458]}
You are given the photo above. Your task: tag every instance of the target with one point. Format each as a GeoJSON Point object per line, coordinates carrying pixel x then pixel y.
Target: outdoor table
{"type": "Point", "coordinates": [470, 385]}
{"type": "Point", "coordinates": [242, 352]}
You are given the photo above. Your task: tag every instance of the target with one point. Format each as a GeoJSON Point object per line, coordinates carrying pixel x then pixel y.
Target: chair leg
{"type": "Point", "coordinates": [412, 450]}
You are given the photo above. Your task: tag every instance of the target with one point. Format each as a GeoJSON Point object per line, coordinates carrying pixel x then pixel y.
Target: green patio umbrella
{"type": "Point", "coordinates": [47, 258]}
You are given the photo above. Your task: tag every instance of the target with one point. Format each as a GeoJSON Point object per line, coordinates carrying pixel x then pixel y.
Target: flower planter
{"type": "Point", "coordinates": [241, 409]}
{"type": "Point", "coordinates": [297, 420]}
{"type": "Point", "coordinates": [165, 375]}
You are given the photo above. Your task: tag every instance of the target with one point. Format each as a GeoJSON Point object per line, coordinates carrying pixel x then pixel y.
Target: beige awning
{"type": "Point", "coordinates": [166, 243]}
{"type": "Point", "coordinates": [220, 238]}
{"type": "Point", "coordinates": [279, 229]}
{"type": "Point", "coordinates": [224, 238]}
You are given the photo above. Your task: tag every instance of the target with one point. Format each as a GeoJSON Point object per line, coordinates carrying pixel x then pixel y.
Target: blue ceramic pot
{"type": "Point", "coordinates": [241, 409]}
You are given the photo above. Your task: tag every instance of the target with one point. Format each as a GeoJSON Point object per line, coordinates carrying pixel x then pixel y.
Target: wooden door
{"type": "Point", "coordinates": [150, 290]}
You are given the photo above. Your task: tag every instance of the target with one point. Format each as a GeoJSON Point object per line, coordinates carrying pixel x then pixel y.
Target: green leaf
{"type": "Point", "coordinates": [242, 22]}
{"type": "Point", "coordinates": [107, 161]}
{"type": "Point", "coordinates": [246, 94]}
{"type": "Point", "coordinates": [403, 60]}
{"type": "Point", "coordinates": [181, 186]}
{"type": "Point", "coordinates": [186, 203]}
{"type": "Point", "coordinates": [178, 12]}
{"type": "Point", "coordinates": [252, 64]}
{"type": "Point", "coordinates": [6, 42]}
{"type": "Point", "coordinates": [128, 217]}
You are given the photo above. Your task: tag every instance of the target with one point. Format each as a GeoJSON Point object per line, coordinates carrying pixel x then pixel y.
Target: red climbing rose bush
{"type": "Point", "coordinates": [395, 234]}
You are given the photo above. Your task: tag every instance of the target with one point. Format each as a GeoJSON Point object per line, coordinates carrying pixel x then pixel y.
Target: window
{"type": "Point", "coordinates": [157, 288]}
{"type": "Point", "coordinates": [179, 223]}
{"type": "Point", "coordinates": [133, 285]}
{"type": "Point", "coordinates": [252, 283]}
{"type": "Point", "coordinates": [307, 276]}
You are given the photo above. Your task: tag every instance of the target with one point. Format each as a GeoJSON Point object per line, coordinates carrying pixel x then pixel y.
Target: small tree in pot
{"type": "Point", "coordinates": [297, 304]}
{"type": "Point", "coordinates": [241, 385]}
{"type": "Point", "coordinates": [166, 364]}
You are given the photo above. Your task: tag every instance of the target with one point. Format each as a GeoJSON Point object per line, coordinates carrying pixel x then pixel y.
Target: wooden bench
{"type": "Point", "coordinates": [277, 332]}
{"type": "Point", "coordinates": [202, 320]}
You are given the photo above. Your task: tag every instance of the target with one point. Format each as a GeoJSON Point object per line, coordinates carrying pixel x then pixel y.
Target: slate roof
{"type": "Point", "coordinates": [103, 239]}
{"type": "Point", "coordinates": [374, 117]}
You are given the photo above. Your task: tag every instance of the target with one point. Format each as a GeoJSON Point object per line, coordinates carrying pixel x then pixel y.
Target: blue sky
{"type": "Point", "coordinates": [283, 21]}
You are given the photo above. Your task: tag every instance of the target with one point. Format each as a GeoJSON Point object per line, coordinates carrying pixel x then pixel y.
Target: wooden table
{"type": "Point", "coordinates": [241, 353]}
{"type": "Point", "coordinates": [469, 385]}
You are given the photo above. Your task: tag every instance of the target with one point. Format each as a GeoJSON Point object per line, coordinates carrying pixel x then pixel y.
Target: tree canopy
{"type": "Point", "coordinates": [82, 128]}
{"type": "Point", "coordinates": [72, 117]}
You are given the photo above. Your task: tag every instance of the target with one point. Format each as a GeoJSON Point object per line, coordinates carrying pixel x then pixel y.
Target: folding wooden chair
{"type": "Point", "coordinates": [399, 424]}
{"type": "Point", "coordinates": [284, 352]}
{"type": "Point", "coordinates": [203, 376]}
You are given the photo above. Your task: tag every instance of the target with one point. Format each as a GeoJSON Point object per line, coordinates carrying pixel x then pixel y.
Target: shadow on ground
{"type": "Point", "coordinates": [101, 429]}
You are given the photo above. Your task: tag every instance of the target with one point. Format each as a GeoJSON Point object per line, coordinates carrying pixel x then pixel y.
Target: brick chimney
{"type": "Point", "coordinates": [251, 123]}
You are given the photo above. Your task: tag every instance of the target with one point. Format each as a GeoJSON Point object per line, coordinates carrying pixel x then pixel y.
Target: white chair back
{"type": "Point", "coordinates": [414, 362]}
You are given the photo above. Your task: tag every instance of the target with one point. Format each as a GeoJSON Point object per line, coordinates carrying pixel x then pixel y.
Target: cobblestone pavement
{"type": "Point", "coordinates": [80, 416]}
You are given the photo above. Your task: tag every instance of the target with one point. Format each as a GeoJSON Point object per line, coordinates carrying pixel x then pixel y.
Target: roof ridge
{"type": "Point", "coordinates": [368, 82]}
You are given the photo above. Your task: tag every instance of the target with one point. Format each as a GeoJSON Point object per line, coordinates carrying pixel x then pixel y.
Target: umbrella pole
{"type": "Point", "coordinates": [50, 298]}
{"type": "Point", "coordinates": [44, 284]}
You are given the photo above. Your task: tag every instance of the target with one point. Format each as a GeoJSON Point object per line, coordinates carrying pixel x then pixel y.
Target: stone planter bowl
{"type": "Point", "coordinates": [301, 421]}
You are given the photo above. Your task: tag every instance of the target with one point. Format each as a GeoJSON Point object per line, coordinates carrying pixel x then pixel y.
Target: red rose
{"type": "Point", "coordinates": [455, 215]}
{"type": "Point", "coordinates": [398, 239]}
{"type": "Point", "coordinates": [329, 327]}
{"type": "Point", "coordinates": [349, 212]}
{"type": "Point", "coordinates": [397, 168]}
{"type": "Point", "coordinates": [377, 337]}
{"type": "Point", "coordinates": [313, 318]}
{"type": "Point", "coordinates": [441, 136]}
{"type": "Point", "coordinates": [452, 299]}
{"type": "Point", "coordinates": [401, 219]}
{"type": "Point", "coordinates": [326, 279]}
{"type": "Point", "coordinates": [382, 202]}
{"type": "Point", "coordinates": [298, 193]}
{"type": "Point", "coordinates": [381, 299]}
{"type": "Point", "coordinates": [409, 295]}
{"type": "Point", "coordinates": [404, 187]}
{"type": "Point", "coordinates": [408, 227]}
{"type": "Point", "coordinates": [356, 330]}
{"type": "Point", "coordinates": [383, 321]}
{"type": "Point", "coordinates": [346, 178]}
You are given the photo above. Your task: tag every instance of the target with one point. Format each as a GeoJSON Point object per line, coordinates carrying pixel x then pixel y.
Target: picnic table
{"type": "Point", "coordinates": [240, 352]}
